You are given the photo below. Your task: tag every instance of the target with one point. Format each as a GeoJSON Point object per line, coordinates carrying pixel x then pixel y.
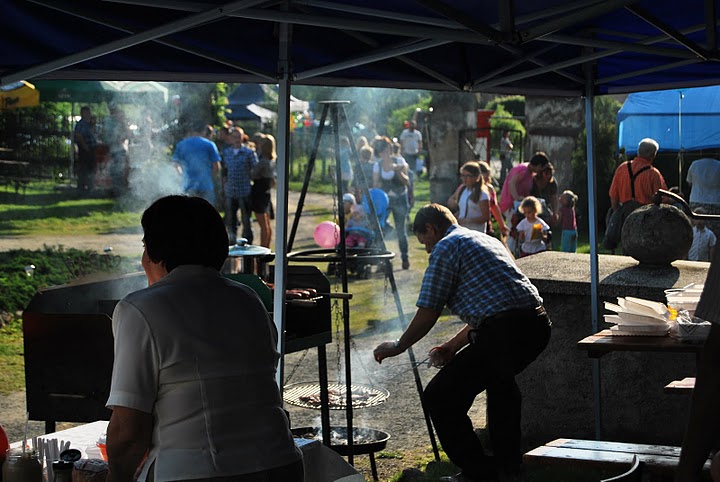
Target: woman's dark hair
{"type": "Point", "coordinates": [181, 230]}
{"type": "Point", "coordinates": [380, 145]}
{"type": "Point", "coordinates": [434, 214]}
{"type": "Point", "coordinates": [473, 168]}
{"type": "Point", "coordinates": [539, 159]}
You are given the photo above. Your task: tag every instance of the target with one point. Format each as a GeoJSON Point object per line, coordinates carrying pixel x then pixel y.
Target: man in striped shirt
{"type": "Point", "coordinates": [506, 329]}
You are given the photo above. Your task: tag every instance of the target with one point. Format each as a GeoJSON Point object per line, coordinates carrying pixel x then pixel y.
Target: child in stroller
{"type": "Point", "coordinates": [359, 232]}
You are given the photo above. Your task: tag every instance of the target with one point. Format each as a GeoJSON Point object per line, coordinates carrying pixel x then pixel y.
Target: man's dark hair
{"type": "Point", "coordinates": [181, 230]}
{"type": "Point", "coordinates": [434, 214]}
{"type": "Point", "coordinates": [539, 159]}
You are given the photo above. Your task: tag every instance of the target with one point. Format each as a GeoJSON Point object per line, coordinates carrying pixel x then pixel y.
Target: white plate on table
{"type": "Point", "coordinates": [636, 330]}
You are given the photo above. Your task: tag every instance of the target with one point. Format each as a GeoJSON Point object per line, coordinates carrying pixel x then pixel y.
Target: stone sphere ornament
{"type": "Point", "coordinates": [657, 235]}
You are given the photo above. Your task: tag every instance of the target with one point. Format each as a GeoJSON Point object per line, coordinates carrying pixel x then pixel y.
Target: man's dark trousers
{"type": "Point", "coordinates": [502, 347]}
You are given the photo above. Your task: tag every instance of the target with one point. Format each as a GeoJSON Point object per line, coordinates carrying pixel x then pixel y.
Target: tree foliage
{"type": "Point", "coordinates": [398, 117]}
{"type": "Point", "coordinates": [372, 107]}
{"type": "Point", "coordinates": [514, 105]}
{"type": "Point", "coordinates": [604, 143]}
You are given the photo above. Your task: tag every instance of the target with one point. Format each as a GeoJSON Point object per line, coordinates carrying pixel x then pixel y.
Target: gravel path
{"type": "Point", "coordinates": [400, 415]}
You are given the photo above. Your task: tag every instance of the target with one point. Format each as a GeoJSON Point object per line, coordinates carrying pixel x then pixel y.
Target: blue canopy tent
{"type": "Point", "coordinates": [680, 119]}
{"type": "Point", "coordinates": [546, 47]}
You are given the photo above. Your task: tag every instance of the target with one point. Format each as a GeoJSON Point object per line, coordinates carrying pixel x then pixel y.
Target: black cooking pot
{"type": "Point", "coordinates": [365, 440]}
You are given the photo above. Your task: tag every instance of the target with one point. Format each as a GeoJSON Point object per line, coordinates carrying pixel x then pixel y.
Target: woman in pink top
{"type": "Point", "coordinates": [519, 181]}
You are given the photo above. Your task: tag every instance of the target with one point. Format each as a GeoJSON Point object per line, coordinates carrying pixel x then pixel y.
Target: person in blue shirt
{"type": "Point", "coordinates": [506, 329]}
{"type": "Point", "coordinates": [238, 162]}
{"type": "Point", "coordinates": [197, 158]}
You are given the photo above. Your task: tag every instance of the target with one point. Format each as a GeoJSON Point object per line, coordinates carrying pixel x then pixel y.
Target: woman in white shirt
{"type": "Point", "coordinates": [193, 387]}
{"type": "Point", "coordinates": [470, 202]}
{"type": "Point", "coordinates": [391, 175]}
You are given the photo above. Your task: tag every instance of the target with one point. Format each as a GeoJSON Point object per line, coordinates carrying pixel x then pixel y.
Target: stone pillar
{"type": "Point", "coordinates": [452, 112]}
{"type": "Point", "coordinates": [553, 124]}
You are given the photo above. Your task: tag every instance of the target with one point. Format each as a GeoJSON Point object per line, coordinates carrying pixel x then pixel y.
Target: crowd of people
{"type": "Point", "coordinates": [247, 172]}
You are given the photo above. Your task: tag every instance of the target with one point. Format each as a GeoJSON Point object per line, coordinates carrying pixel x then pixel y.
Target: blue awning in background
{"type": "Point", "coordinates": [686, 119]}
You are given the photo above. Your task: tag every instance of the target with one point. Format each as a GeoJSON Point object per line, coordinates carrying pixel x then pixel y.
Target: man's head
{"type": "Point", "coordinates": [648, 148]}
{"type": "Point", "coordinates": [236, 137]}
{"type": "Point", "coordinates": [181, 230]}
{"type": "Point", "coordinates": [85, 113]}
{"type": "Point", "coordinates": [538, 161]}
{"type": "Point", "coordinates": [413, 125]}
{"type": "Point", "coordinates": [431, 223]}
{"type": "Point", "coordinates": [209, 132]}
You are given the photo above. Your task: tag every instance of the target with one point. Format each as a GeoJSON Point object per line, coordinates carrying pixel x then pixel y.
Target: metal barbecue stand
{"type": "Point", "coordinates": [336, 109]}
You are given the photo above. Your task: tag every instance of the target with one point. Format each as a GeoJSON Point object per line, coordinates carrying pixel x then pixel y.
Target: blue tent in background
{"type": "Point", "coordinates": [687, 119]}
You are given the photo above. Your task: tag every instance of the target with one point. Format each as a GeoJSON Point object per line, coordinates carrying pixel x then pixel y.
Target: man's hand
{"type": "Point", "coordinates": [440, 356]}
{"type": "Point", "coordinates": [386, 350]}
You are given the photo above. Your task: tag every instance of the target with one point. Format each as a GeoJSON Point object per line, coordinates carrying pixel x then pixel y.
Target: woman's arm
{"type": "Point", "coordinates": [128, 440]}
{"type": "Point", "coordinates": [401, 172]}
{"type": "Point", "coordinates": [512, 186]}
{"type": "Point", "coordinates": [453, 199]}
{"type": "Point", "coordinates": [499, 218]}
{"type": "Point", "coordinates": [554, 207]}
{"type": "Point", "coordinates": [376, 179]}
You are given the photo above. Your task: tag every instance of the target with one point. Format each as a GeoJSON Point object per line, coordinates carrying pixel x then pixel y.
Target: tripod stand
{"type": "Point", "coordinates": [338, 117]}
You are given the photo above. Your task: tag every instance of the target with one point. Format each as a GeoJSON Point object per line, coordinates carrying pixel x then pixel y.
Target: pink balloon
{"type": "Point", "coordinates": [327, 234]}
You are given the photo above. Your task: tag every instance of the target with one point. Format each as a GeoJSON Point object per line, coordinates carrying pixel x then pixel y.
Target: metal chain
{"type": "Point", "coordinates": [297, 365]}
{"type": "Point", "coordinates": [386, 283]}
{"type": "Point", "coordinates": [362, 365]}
{"type": "Point", "coordinates": [338, 314]}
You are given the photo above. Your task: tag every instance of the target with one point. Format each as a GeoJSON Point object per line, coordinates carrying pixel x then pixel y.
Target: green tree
{"type": "Point", "coordinates": [605, 142]}
{"type": "Point", "coordinates": [512, 104]}
{"type": "Point", "coordinates": [398, 116]}
{"type": "Point", "coordinates": [502, 121]}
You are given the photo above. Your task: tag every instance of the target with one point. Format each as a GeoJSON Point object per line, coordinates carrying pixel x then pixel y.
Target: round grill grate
{"type": "Point", "coordinates": [307, 395]}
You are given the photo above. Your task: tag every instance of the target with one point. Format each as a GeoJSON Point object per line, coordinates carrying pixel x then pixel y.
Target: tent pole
{"type": "Point", "coordinates": [283, 149]}
{"type": "Point", "coordinates": [592, 221]}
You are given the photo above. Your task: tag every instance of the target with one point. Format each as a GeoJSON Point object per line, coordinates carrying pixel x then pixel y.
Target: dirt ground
{"type": "Point", "coordinates": [400, 415]}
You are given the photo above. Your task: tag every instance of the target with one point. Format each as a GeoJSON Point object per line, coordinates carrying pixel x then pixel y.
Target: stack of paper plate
{"type": "Point", "coordinates": [638, 317]}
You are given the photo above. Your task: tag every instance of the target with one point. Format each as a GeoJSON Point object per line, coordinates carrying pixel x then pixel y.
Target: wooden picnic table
{"type": "Point", "coordinates": [14, 174]}
{"type": "Point", "coordinates": [604, 342]}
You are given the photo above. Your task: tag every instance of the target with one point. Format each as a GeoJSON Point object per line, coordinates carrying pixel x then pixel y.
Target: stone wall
{"type": "Point", "coordinates": [452, 112]}
{"type": "Point", "coordinates": [553, 124]}
{"type": "Point", "coordinates": [558, 390]}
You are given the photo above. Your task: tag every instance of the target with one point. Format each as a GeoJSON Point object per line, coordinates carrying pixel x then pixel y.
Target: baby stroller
{"type": "Point", "coordinates": [360, 265]}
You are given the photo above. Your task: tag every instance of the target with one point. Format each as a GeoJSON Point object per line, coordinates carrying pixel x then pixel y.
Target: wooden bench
{"type": "Point", "coordinates": [658, 460]}
{"type": "Point", "coordinates": [684, 386]}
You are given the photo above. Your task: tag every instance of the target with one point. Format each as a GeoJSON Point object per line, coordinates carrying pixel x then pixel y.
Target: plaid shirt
{"type": "Point", "coordinates": [87, 130]}
{"type": "Point", "coordinates": [473, 274]}
{"type": "Point", "coordinates": [238, 167]}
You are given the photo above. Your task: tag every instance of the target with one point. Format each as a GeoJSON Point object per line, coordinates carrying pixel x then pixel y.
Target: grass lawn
{"type": "Point", "coordinates": [49, 208]}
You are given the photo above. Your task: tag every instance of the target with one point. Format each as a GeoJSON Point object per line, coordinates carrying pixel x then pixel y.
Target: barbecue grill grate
{"type": "Point", "coordinates": [307, 395]}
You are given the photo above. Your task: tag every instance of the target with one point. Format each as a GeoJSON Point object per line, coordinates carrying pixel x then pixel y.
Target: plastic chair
{"type": "Point", "coordinates": [632, 475]}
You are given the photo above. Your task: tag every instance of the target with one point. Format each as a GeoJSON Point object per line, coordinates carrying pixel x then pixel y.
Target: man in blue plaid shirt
{"type": "Point", "coordinates": [506, 329]}
{"type": "Point", "coordinates": [238, 161]}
